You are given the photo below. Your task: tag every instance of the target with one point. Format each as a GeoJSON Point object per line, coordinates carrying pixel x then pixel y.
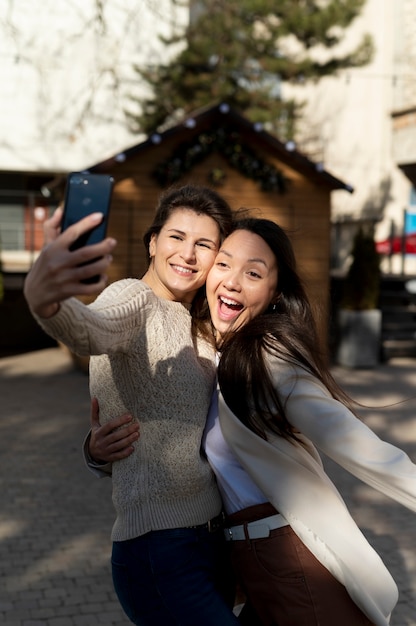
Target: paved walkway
{"type": "Point", "coordinates": [55, 518]}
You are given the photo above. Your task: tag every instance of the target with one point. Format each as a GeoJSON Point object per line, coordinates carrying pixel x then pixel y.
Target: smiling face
{"type": "Point", "coordinates": [242, 282]}
{"type": "Point", "coordinates": [181, 254]}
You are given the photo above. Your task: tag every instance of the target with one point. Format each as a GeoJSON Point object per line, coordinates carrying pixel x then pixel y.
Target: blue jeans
{"type": "Point", "coordinates": [178, 577]}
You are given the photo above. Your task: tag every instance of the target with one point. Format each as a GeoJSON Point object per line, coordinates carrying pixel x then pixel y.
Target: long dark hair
{"type": "Point", "coordinates": [203, 201]}
{"type": "Point", "coordinates": [287, 330]}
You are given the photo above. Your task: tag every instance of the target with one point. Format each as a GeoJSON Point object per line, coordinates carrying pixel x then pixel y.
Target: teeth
{"type": "Point", "coordinates": [183, 270]}
{"type": "Point", "coordinates": [229, 302]}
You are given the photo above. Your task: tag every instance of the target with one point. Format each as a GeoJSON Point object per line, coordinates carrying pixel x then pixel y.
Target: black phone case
{"type": "Point", "coordinates": [87, 193]}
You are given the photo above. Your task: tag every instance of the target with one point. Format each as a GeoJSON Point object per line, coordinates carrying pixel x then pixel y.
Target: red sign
{"type": "Point", "coordinates": [396, 245]}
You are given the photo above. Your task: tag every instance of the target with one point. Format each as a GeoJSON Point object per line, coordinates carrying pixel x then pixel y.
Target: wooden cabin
{"type": "Point", "coordinates": [218, 147]}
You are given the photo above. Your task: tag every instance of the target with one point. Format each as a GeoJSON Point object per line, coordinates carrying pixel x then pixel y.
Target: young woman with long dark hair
{"type": "Point", "coordinates": [299, 555]}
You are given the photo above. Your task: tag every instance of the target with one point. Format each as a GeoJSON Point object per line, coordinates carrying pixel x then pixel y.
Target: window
{"type": "Point", "coordinates": [21, 231]}
{"type": "Point", "coordinates": [11, 227]}
{"type": "Point", "coordinates": [412, 199]}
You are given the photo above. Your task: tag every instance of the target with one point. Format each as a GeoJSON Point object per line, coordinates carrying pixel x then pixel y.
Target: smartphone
{"type": "Point", "coordinates": [87, 193]}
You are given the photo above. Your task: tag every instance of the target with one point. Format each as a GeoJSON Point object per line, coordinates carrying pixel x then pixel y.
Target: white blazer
{"type": "Point", "coordinates": [292, 477]}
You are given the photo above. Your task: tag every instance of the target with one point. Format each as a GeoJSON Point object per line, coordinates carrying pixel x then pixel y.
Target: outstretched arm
{"type": "Point", "coordinates": [347, 440]}
{"type": "Point", "coordinates": [58, 272]}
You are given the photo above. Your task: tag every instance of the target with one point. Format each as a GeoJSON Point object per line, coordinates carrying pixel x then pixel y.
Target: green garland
{"type": "Point", "coordinates": [238, 155]}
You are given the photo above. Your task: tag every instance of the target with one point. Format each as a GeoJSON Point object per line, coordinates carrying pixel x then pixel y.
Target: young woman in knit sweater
{"type": "Point", "coordinates": [169, 559]}
{"type": "Point", "coordinates": [299, 555]}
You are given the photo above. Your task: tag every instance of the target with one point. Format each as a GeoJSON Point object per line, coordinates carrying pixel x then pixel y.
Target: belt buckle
{"type": "Point", "coordinates": [216, 523]}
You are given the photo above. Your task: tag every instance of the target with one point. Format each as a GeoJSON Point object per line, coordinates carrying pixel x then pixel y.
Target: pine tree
{"type": "Point", "coordinates": [241, 51]}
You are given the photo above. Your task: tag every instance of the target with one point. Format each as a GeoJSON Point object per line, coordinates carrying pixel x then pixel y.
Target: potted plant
{"type": "Point", "coordinates": [359, 316]}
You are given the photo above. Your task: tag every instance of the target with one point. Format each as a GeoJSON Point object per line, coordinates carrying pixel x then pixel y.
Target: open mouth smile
{"type": "Point", "coordinates": [228, 308]}
{"type": "Point", "coordinates": [231, 304]}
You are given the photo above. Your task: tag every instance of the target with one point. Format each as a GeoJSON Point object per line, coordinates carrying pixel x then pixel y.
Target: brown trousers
{"type": "Point", "coordinates": [287, 586]}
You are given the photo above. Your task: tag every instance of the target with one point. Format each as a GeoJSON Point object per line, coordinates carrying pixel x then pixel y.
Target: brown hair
{"type": "Point", "coordinates": [203, 201]}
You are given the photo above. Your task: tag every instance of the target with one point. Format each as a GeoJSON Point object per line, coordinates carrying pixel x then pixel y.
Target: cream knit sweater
{"type": "Point", "coordinates": [147, 364]}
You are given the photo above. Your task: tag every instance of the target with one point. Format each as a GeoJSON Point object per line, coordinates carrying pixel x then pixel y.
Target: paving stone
{"type": "Point", "coordinates": [56, 517]}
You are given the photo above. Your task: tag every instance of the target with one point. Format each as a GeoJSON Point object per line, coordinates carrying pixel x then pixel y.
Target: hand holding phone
{"type": "Point", "coordinates": [87, 193]}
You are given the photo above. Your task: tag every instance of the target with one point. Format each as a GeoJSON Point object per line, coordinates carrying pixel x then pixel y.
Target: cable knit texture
{"type": "Point", "coordinates": [146, 363]}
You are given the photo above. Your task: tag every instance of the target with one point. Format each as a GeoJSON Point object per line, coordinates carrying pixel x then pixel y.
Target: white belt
{"type": "Point", "coordinates": [255, 530]}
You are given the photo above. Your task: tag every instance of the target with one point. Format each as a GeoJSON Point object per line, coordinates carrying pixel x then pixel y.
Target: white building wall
{"type": "Point", "coordinates": [65, 78]}
{"type": "Point", "coordinates": [347, 123]}
{"type": "Point", "coordinates": [404, 95]}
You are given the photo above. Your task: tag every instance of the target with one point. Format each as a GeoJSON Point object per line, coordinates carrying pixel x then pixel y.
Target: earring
{"type": "Point", "coordinates": [273, 307]}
